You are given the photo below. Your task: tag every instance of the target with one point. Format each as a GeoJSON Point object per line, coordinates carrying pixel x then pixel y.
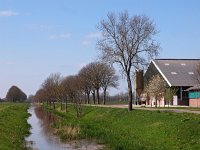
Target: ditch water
{"type": "Point", "coordinates": [42, 137]}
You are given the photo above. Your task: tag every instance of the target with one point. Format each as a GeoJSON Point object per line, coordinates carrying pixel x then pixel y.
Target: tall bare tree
{"type": "Point", "coordinates": [129, 42]}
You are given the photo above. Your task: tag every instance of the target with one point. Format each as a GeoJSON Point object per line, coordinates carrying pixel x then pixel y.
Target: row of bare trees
{"type": "Point", "coordinates": [96, 76]}
{"type": "Point", "coordinates": [128, 41]}
{"type": "Point", "coordinates": [77, 89]}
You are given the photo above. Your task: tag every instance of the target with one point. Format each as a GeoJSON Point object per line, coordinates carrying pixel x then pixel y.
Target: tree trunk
{"type": "Point", "coordinates": [65, 105]}
{"type": "Point", "coordinates": [61, 105]}
{"type": "Point", "coordinates": [104, 96]}
{"type": "Point", "coordinates": [88, 97]}
{"type": "Point", "coordinates": [130, 107]}
{"type": "Point", "coordinates": [85, 97]}
{"type": "Point", "coordinates": [93, 95]}
{"type": "Point", "coordinates": [50, 103]}
{"type": "Point", "coordinates": [98, 99]}
{"type": "Point", "coordinates": [156, 101]}
{"type": "Point", "coordinates": [54, 107]}
{"type": "Point", "coordinates": [164, 102]}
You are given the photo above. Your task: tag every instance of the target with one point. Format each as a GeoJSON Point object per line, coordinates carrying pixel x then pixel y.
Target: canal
{"type": "Point", "coordinates": [42, 137]}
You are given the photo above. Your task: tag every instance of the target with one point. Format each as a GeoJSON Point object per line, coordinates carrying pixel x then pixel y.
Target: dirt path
{"type": "Point", "coordinates": [152, 109]}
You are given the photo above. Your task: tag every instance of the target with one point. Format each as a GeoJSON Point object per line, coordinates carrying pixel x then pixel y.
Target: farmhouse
{"type": "Point", "coordinates": [179, 73]}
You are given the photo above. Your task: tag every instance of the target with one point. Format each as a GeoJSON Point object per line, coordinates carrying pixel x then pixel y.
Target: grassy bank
{"type": "Point", "coordinates": [139, 129]}
{"type": "Point", "coordinates": [116, 102]}
{"type": "Point", "coordinates": [13, 125]}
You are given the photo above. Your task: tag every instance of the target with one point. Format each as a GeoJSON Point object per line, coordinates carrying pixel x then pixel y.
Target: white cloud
{"type": "Point", "coordinates": [8, 13]}
{"type": "Point", "coordinates": [60, 36]}
{"type": "Point", "coordinates": [89, 38]}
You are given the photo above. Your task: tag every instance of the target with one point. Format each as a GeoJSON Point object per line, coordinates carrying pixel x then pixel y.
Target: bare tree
{"type": "Point", "coordinates": [52, 89]}
{"type": "Point", "coordinates": [73, 92]}
{"type": "Point", "coordinates": [40, 96]}
{"type": "Point", "coordinates": [65, 90]}
{"type": "Point", "coordinates": [68, 90]}
{"type": "Point", "coordinates": [97, 75]}
{"type": "Point", "coordinates": [85, 79]}
{"type": "Point", "coordinates": [156, 88]}
{"type": "Point", "coordinates": [109, 79]}
{"type": "Point", "coordinates": [79, 92]}
{"type": "Point", "coordinates": [93, 95]}
{"type": "Point", "coordinates": [127, 41]}
{"type": "Point", "coordinates": [95, 69]}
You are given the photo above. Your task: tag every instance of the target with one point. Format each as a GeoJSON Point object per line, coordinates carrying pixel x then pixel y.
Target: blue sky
{"type": "Point", "coordinates": [39, 37]}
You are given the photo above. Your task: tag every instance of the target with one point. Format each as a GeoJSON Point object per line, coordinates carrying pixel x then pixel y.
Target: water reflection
{"type": "Point", "coordinates": [42, 137]}
{"type": "Point", "coordinates": [46, 119]}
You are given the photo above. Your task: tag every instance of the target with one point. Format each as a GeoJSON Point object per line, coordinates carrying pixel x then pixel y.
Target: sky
{"type": "Point", "coordinates": [40, 37]}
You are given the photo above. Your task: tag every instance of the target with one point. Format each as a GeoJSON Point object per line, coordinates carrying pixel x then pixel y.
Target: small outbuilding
{"type": "Point", "coordinates": [194, 96]}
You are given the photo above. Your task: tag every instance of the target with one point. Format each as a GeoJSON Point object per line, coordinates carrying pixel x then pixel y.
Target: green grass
{"type": "Point", "coordinates": [116, 102]}
{"type": "Point", "coordinates": [13, 125]}
{"type": "Point", "coordinates": [184, 108]}
{"type": "Point", "coordinates": [138, 129]}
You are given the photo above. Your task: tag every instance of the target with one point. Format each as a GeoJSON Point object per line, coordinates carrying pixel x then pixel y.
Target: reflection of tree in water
{"type": "Point", "coordinates": [46, 119]}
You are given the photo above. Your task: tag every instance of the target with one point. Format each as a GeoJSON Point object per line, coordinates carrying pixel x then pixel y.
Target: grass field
{"type": "Point", "coordinates": [138, 129]}
{"type": "Point", "coordinates": [13, 126]}
{"type": "Point", "coordinates": [183, 108]}
{"type": "Point", "coordinates": [116, 102]}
